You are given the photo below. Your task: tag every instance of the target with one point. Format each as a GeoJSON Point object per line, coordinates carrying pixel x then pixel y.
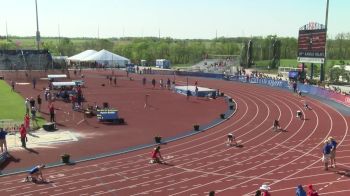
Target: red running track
{"type": "Point", "coordinates": [201, 163]}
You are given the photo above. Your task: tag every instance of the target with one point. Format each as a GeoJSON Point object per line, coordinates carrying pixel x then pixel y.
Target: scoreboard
{"type": "Point", "coordinates": [312, 43]}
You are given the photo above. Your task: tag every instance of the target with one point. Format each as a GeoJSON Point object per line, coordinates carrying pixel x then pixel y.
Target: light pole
{"type": "Point", "coordinates": [268, 67]}
{"type": "Point", "coordinates": [261, 53]}
{"type": "Point", "coordinates": [325, 49]}
{"type": "Point", "coordinates": [7, 35]}
{"type": "Point", "coordinates": [37, 27]}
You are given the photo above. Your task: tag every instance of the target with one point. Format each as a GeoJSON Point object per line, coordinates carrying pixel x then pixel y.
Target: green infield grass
{"type": "Point", "coordinates": [12, 105]}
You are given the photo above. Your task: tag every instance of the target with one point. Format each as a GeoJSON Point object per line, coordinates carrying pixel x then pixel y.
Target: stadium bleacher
{"type": "Point", "coordinates": [24, 59]}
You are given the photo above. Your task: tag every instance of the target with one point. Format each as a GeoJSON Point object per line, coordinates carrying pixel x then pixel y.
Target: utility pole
{"type": "Point", "coordinates": [98, 31]}
{"type": "Point", "coordinates": [159, 34]}
{"type": "Point", "coordinates": [37, 27]}
{"type": "Point", "coordinates": [59, 34]}
{"type": "Point", "coordinates": [7, 35]}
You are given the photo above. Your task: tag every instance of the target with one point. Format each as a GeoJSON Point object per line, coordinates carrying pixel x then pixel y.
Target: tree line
{"type": "Point", "coordinates": [186, 51]}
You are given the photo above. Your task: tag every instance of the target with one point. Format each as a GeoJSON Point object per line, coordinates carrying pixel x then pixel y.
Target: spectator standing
{"type": "Point", "coordinates": [46, 94]}
{"type": "Point", "coordinates": [13, 83]}
{"type": "Point", "coordinates": [300, 191]}
{"type": "Point", "coordinates": [52, 112]}
{"type": "Point", "coordinates": [311, 191]}
{"type": "Point", "coordinates": [168, 84]}
{"type": "Point", "coordinates": [34, 82]}
{"type": "Point", "coordinates": [146, 101]}
{"type": "Point", "coordinates": [27, 122]}
{"type": "Point", "coordinates": [161, 83]}
{"type": "Point", "coordinates": [74, 100]}
{"type": "Point", "coordinates": [154, 83]}
{"type": "Point", "coordinates": [27, 105]}
{"type": "Point", "coordinates": [79, 100]}
{"type": "Point", "coordinates": [39, 101]}
{"type": "Point", "coordinates": [326, 153]}
{"type": "Point", "coordinates": [23, 133]}
{"type": "Point", "coordinates": [32, 102]}
{"type": "Point", "coordinates": [294, 86]}
{"type": "Point", "coordinates": [144, 81]}
{"type": "Point", "coordinates": [33, 112]}
{"type": "Point", "coordinates": [3, 143]}
{"type": "Point", "coordinates": [333, 150]}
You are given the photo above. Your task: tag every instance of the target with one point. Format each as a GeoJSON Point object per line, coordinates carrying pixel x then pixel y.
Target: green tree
{"type": "Point", "coordinates": [51, 47]}
{"type": "Point", "coordinates": [276, 52]}
{"type": "Point", "coordinates": [334, 74]}
{"type": "Point", "coordinates": [7, 45]}
{"type": "Point", "coordinates": [66, 47]}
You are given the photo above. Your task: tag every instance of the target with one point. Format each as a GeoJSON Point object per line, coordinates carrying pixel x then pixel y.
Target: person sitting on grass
{"type": "Point", "coordinates": [156, 156]}
{"type": "Point", "coordinates": [35, 174]}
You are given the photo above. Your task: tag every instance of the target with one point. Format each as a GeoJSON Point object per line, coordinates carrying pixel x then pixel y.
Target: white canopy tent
{"type": "Point", "coordinates": [82, 55]}
{"type": "Point", "coordinates": [53, 76]}
{"type": "Point", "coordinates": [60, 84]}
{"type": "Point", "coordinates": [108, 58]}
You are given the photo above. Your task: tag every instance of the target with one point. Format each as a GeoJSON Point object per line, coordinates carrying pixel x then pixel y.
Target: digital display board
{"type": "Point", "coordinates": [312, 43]}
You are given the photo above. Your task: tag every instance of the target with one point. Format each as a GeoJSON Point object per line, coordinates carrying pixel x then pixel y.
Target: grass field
{"type": "Point", "coordinates": [180, 66]}
{"type": "Point", "coordinates": [12, 105]}
{"type": "Point", "coordinates": [294, 63]}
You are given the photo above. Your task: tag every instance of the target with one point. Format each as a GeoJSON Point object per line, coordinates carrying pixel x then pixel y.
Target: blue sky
{"type": "Point", "coordinates": [172, 18]}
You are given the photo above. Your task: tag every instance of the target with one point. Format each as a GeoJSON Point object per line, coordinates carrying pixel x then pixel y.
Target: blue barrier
{"type": "Point", "coordinates": [264, 81]}
{"type": "Point", "coordinates": [186, 73]}
{"type": "Point", "coordinates": [304, 88]}
{"type": "Point", "coordinates": [313, 90]}
{"type": "Point", "coordinates": [200, 74]}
